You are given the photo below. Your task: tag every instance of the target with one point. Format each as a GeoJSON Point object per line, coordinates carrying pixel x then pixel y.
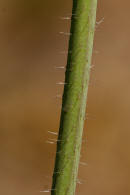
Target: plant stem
{"type": "Point", "coordinates": [74, 97]}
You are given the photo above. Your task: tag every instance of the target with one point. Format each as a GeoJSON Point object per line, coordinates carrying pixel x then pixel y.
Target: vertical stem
{"type": "Point", "coordinates": [74, 97]}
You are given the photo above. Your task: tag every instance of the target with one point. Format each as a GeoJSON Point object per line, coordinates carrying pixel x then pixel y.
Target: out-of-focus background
{"type": "Point", "coordinates": [31, 48]}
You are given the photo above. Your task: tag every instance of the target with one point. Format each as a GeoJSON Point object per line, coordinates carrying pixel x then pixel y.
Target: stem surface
{"type": "Point", "coordinates": [74, 97]}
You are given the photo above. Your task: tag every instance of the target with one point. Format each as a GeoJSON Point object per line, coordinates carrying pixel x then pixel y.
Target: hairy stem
{"type": "Point", "coordinates": [74, 97]}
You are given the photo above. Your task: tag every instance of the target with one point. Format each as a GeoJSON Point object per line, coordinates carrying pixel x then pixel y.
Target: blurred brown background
{"type": "Point", "coordinates": [30, 49]}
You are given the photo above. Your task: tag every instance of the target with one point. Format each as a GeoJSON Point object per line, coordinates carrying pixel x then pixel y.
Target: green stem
{"type": "Point", "coordinates": [74, 97]}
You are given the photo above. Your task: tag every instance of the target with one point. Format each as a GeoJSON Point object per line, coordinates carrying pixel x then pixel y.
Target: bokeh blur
{"type": "Point", "coordinates": [31, 49]}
